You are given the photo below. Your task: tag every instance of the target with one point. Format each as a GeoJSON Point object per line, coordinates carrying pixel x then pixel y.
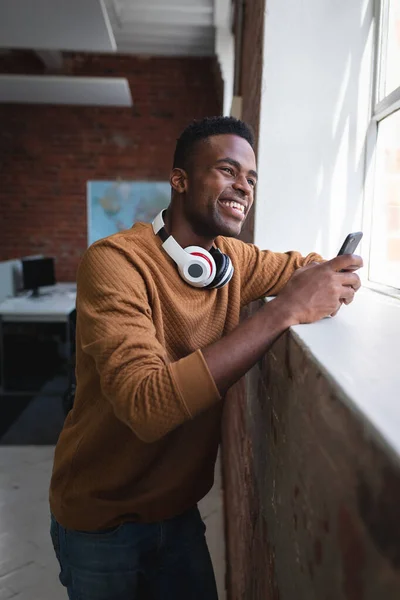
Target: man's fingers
{"type": "Point", "coordinates": [347, 295]}
{"type": "Point", "coordinates": [346, 262]}
{"type": "Point", "coordinates": [350, 279]}
{"type": "Point", "coordinates": [335, 312]}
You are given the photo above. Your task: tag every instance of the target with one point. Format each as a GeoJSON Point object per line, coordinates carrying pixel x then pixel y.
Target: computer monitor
{"type": "Point", "coordinates": [37, 272]}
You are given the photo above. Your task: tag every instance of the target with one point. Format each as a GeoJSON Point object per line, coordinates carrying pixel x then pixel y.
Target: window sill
{"type": "Point", "coordinates": [383, 289]}
{"type": "Point", "coordinates": [359, 350]}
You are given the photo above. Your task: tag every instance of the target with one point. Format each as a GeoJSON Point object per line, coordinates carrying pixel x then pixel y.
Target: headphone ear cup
{"type": "Point", "coordinates": [224, 269]}
{"type": "Point", "coordinates": [201, 271]}
{"type": "Point", "coordinates": [219, 260]}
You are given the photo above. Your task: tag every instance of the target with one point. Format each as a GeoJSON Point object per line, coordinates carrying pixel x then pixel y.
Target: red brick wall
{"type": "Point", "coordinates": [48, 153]}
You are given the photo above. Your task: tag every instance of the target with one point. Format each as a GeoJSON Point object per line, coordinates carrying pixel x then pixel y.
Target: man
{"type": "Point", "coordinates": [158, 345]}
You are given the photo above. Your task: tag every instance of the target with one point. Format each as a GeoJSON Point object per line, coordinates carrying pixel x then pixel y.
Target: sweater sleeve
{"type": "Point", "coordinates": [263, 272]}
{"type": "Point", "coordinates": [149, 393]}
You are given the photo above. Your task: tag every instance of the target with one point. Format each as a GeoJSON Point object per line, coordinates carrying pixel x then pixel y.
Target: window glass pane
{"type": "Point", "coordinates": [392, 70]}
{"type": "Point", "coordinates": [385, 240]}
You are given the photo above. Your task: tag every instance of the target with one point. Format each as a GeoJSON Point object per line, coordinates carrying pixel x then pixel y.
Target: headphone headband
{"type": "Point", "coordinates": [159, 224]}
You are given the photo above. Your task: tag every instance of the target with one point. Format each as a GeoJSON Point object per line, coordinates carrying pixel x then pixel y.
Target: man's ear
{"type": "Point", "coordinates": [178, 180]}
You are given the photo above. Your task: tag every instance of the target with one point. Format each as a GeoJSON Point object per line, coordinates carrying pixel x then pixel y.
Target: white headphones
{"type": "Point", "coordinates": [196, 266]}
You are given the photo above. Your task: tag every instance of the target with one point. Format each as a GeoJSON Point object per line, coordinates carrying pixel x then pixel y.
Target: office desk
{"type": "Point", "coordinates": [56, 305]}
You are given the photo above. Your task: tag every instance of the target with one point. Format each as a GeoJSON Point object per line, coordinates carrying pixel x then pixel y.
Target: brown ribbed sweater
{"type": "Point", "coordinates": [142, 438]}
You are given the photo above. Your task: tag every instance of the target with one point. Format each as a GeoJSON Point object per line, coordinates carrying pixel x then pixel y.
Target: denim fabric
{"type": "Point", "coordinates": [168, 560]}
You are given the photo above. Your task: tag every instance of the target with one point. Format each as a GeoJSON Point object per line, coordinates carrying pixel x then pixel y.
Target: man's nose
{"type": "Point", "coordinates": [241, 184]}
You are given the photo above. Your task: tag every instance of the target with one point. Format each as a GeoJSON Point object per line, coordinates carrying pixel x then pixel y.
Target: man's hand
{"type": "Point", "coordinates": [313, 292]}
{"type": "Point", "coordinates": [319, 290]}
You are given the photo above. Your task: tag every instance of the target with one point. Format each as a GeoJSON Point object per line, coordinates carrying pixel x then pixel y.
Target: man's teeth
{"type": "Point", "coordinates": [233, 204]}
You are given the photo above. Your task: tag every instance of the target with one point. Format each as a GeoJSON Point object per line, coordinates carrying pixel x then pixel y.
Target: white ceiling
{"type": "Point", "coordinates": [163, 27]}
{"type": "Point", "coordinates": [150, 27]}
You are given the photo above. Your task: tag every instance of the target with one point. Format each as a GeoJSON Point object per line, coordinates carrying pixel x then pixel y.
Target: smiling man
{"type": "Point", "coordinates": [158, 345]}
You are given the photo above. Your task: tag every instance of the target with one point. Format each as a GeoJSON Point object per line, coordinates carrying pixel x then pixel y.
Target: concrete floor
{"type": "Point", "coordinates": [28, 567]}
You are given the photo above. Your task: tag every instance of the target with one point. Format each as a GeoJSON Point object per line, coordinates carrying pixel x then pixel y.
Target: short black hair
{"type": "Point", "coordinates": [204, 128]}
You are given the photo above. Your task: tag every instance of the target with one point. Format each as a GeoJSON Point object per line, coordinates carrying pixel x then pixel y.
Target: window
{"type": "Point", "coordinates": [384, 256]}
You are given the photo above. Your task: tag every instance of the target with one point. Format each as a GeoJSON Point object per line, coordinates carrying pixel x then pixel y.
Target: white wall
{"type": "Point", "coordinates": [314, 119]}
{"type": "Point", "coordinates": [225, 48]}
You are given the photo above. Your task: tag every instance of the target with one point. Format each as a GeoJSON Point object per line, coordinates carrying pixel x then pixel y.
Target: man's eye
{"type": "Point", "coordinates": [228, 170]}
{"type": "Point", "coordinates": [251, 182]}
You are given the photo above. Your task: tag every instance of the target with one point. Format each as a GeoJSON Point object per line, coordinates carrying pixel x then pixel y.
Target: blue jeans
{"type": "Point", "coordinates": [168, 560]}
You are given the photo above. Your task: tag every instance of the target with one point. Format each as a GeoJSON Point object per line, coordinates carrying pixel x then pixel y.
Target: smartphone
{"type": "Point", "coordinates": [350, 243]}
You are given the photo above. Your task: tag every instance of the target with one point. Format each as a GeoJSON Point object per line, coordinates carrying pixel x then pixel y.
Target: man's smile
{"type": "Point", "coordinates": [234, 208]}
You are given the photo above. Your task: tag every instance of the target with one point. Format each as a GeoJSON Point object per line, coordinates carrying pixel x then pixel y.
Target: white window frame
{"type": "Point", "coordinates": [381, 107]}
